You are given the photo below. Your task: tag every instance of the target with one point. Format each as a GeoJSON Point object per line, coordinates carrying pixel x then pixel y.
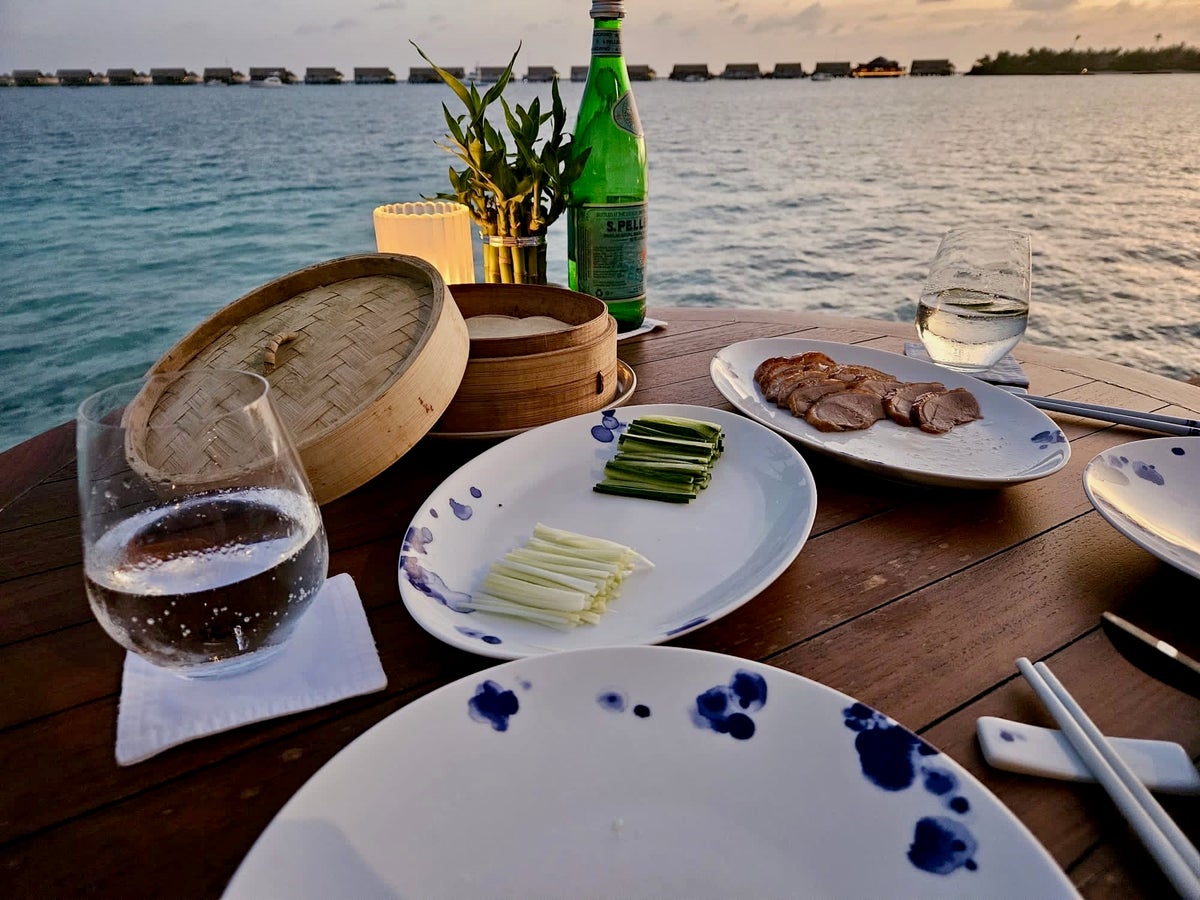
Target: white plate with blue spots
{"type": "Point", "coordinates": [643, 772]}
{"type": "Point", "coordinates": [1150, 492]}
{"type": "Point", "coordinates": [1014, 442]}
{"type": "Point", "coordinates": [710, 556]}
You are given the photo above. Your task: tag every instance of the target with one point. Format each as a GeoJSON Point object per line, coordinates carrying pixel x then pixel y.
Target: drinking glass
{"type": "Point", "coordinates": [202, 544]}
{"type": "Point", "coordinates": [975, 303]}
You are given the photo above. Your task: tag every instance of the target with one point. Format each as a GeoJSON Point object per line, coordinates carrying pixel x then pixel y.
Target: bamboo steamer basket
{"type": "Point", "coordinates": [520, 382]}
{"type": "Point", "coordinates": [363, 355]}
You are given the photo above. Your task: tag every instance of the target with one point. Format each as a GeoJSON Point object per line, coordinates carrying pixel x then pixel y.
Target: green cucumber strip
{"type": "Point", "coordinates": [631, 490]}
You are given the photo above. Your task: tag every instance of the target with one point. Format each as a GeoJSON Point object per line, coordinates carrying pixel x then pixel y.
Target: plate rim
{"type": "Point", "coordinates": [748, 406]}
{"type": "Point", "coordinates": [801, 529]}
{"type": "Point", "coordinates": [1120, 524]}
{"type": "Point", "coordinates": [379, 732]}
{"type": "Point", "coordinates": [626, 385]}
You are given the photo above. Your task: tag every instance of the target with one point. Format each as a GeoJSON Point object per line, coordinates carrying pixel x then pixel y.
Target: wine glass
{"type": "Point", "coordinates": [974, 306]}
{"type": "Point", "coordinates": [202, 543]}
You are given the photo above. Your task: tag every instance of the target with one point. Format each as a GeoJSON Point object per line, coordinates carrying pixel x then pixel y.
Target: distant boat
{"type": "Point", "coordinates": [271, 81]}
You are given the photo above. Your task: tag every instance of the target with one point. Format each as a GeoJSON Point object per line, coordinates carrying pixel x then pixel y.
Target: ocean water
{"type": "Point", "coordinates": [129, 215]}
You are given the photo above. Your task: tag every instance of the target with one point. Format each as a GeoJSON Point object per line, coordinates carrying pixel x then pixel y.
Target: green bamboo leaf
{"type": "Point", "coordinates": [455, 85]}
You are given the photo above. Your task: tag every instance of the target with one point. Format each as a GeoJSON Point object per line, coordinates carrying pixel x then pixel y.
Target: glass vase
{"type": "Point", "coordinates": [514, 260]}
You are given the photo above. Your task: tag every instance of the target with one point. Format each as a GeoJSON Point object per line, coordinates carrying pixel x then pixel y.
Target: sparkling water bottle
{"type": "Point", "coordinates": [606, 206]}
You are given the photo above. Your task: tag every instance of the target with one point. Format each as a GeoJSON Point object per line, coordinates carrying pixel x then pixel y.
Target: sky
{"type": "Point", "coordinates": [144, 34]}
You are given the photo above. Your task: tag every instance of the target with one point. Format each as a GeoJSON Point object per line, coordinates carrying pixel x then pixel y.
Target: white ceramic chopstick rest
{"type": "Point", "coordinates": [1161, 766]}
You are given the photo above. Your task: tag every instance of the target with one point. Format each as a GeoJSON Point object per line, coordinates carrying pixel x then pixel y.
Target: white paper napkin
{"type": "Point", "coordinates": [647, 325]}
{"type": "Point", "coordinates": [330, 656]}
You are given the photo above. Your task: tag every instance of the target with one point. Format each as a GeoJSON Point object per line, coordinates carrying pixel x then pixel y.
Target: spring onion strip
{"type": "Point", "coordinates": [557, 578]}
{"type": "Point", "coordinates": [663, 458]}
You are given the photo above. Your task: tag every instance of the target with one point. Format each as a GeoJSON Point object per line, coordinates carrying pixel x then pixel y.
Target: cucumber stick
{"type": "Point", "coordinates": [665, 458]}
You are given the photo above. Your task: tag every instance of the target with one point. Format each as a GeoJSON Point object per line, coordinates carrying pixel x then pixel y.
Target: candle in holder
{"type": "Point", "coordinates": [435, 231]}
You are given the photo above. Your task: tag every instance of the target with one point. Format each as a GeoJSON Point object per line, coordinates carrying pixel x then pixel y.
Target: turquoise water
{"type": "Point", "coordinates": [129, 215]}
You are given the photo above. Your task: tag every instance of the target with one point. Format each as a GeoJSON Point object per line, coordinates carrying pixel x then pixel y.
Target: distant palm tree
{"type": "Point", "coordinates": [1157, 38]}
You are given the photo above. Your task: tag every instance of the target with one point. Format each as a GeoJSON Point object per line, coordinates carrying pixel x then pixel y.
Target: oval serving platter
{"type": "Point", "coordinates": [1013, 442]}
{"type": "Point", "coordinates": [643, 772]}
{"type": "Point", "coordinates": [710, 556]}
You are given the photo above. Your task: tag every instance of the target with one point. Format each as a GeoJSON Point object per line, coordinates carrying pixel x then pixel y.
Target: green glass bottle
{"type": "Point", "coordinates": [606, 204]}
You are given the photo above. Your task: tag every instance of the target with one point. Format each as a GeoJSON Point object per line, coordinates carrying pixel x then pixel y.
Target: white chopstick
{"type": "Point", "coordinates": [1117, 415]}
{"type": "Point", "coordinates": [1169, 846]}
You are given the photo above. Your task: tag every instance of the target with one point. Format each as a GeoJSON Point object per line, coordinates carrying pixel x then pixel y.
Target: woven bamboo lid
{"type": "Point", "coordinates": [363, 355]}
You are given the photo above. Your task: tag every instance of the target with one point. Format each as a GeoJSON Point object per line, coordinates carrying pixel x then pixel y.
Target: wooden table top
{"type": "Point", "coordinates": [911, 599]}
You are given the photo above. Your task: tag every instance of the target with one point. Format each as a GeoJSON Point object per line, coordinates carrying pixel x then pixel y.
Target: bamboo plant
{"type": "Point", "coordinates": [514, 194]}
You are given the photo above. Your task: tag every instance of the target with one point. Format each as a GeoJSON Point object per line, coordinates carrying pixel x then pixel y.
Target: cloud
{"type": "Point", "coordinates": [806, 19]}
{"type": "Point", "coordinates": [664, 18]}
{"type": "Point", "coordinates": [1043, 5]}
{"type": "Point", "coordinates": [388, 5]}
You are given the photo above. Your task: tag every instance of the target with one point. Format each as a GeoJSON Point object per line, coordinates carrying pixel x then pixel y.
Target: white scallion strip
{"type": "Point", "coordinates": [558, 578]}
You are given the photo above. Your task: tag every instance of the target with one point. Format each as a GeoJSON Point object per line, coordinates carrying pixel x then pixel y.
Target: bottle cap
{"type": "Point", "coordinates": [608, 9]}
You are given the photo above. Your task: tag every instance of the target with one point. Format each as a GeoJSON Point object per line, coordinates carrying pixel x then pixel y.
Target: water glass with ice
{"type": "Point", "coordinates": [202, 544]}
{"type": "Point", "coordinates": [975, 303]}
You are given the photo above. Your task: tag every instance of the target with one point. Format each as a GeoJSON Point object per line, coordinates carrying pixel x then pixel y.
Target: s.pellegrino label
{"type": "Point", "coordinates": [610, 249]}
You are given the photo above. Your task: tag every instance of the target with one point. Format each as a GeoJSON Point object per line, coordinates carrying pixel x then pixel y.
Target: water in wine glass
{"type": "Point", "coordinates": [970, 330]}
{"type": "Point", "coordinates": [220, 577]}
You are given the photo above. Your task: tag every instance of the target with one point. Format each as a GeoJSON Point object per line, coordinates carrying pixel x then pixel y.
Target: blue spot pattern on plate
{"type": "Point", "coordinates": [1045, 438]}
{"type": "Point", "coordinates": [428, 583]}
{"type": "Point", "coordinates": [476, 493]}
{"type": "Point", "coordinates": [687, 626]}
{"type": "Point", "coordinates": [606, 431]}
{"type": "Point", "coordinates": [891, 757]}
{"type": "Point", "coordinates": [1147, 472]}
{"type": "Point", "coordinates": [642, 711]}
{"type": "Point", "coordinates": [613, 701]}
{"type": "Point", "coordinates": [461, 510]}
{"type": "Point", "coordinates": [1178, 451]}
{"type": "Point", "coordinates": [941, 845]}
{"type": "Point", "coordinates": [478, 635]}
{"type": "Point", "coordinates": [1010, 737]}
{"type": "Point", "coordinates": [725, 708]}
{"type": "Point", "coordinates": [493, 704]}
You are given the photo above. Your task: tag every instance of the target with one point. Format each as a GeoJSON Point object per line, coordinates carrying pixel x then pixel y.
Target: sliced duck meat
{"type": "Point", "coordinates": [803, 396]}
{"type": "Point", "coordinates": [848, 410]}
{"type": "Point", "coordinates": [768, 365]}
{"type": "Point", "coordinates": [882, 387]}
{"type": "Point", "coordinates": [853, 373]}
{"type": "Point", "coordinates": [940, 411]}
{"type": "Point", "coordinates": [794, 379]}
{"type": "Point", "coordinates": [898, 404]}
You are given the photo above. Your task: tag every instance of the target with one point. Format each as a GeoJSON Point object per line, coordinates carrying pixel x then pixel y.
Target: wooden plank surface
{"type": "Point", "coordinates": [914, 600]}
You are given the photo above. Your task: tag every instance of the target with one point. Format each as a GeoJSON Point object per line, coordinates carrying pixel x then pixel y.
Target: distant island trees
{"type": "Point", "coordinates": [1044, 61]}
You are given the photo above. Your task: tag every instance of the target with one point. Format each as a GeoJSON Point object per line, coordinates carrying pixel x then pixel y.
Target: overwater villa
{"type": "Point", "coordinates": [541, 74]}
{"type": "Point", "coordinates": [378, 75]}
{"type": "Point", "coordinates": [787, 70]}
{"type": "Point", "coordinates": [33, 78]}
{"type": "Point", "coordinates": [742, 72]}
{"type": "Point", "coordinates": [690, 72]}
{"type": "Point", "coordinates": [931, 67]}
{"type": "Point", "coordinates": [318, 75]}
{"type": "Point", "coordinates": [824, 70]}
{"type": "Point", "coordinates": [636, 73]}
{"type": "Point", "coordinates": [174, 76]}
{"type": "Point", "coordinates": [879, 67]}
{"type": "Point", "coordinates": [125, 77]}
{"type": "Point", "coordinates": [224, 75]}
{"type": "Point", "coordinates": [77, 77]}
{"type": "Point", "coordinates": [283, 73]}
{"type": "Point", "coordinates": [427, 74]}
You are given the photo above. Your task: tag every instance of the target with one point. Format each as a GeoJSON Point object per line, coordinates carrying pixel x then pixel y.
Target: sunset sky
{"type": "Point", "coordinates": [99, 34]}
